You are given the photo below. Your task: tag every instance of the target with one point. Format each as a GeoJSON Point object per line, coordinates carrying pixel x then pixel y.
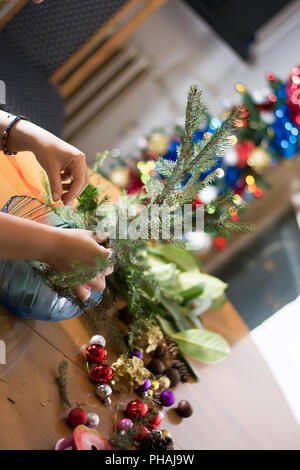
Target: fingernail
{"type": "Point", "coordinates": [88, 291]}
{"type": "Point", "coordinates": [55, 196]}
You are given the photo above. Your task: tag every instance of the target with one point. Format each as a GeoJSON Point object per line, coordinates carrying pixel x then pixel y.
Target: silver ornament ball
{"type": "Point", "coordinates": [104, 391]}
{"type": "Point", "coordinates": [93, 419]}
{"type": "Point", "coordinates": [98, 339]}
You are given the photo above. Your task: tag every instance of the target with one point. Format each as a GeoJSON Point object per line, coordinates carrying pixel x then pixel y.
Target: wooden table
{"type": "Point", "coordinates": [238, 404]}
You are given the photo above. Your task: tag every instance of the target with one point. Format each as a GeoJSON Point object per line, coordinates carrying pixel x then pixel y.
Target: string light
{"type": "Point", "coordinates": [284, 144]}
{"type": "Point", "coordinates": [232, 211]}
{"type": "Point", "coordinates": [237, 200]}
{"type": "Point", "coordinates": [151, 165]}
{"type": "Point", "coordinates": [252, 188]}
{"type": "Point", "coordinates": [145, 178]}
{"type": "Point", "coordinates": [232, 139]}
{"type": "Point", "coordinates": [146, 168]}
{"type": "Point", "coordinates": [207, 135]}
{"type": "Point", "coordinates": [258, 192]}
{"type": "Point", "coordinates": [240, 88]}
{"type": "Point", "coordinates": [250, 180]}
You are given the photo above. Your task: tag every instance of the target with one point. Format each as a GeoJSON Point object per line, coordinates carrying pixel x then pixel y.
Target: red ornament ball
{"type": "Point", "coordinates": [96, 353]}
{"type": "Point", "coordinates": [102, 374]}
{"type": "Point", "coordinates": [141, 433]}
{"type": "Point", "coordinates": [136, 409]}
{"type": "Point", "coordinates": [77, 416]}
{"type": "Point", "coordinates": [220, 243]}
{"type": "Point", "coordinates": [154, 420]}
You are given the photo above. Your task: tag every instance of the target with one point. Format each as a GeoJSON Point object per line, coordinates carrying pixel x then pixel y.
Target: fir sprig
{"type": "Point", "coordinates": [62, 382]}
{"type": "Point", "coordinates": [88, 201]}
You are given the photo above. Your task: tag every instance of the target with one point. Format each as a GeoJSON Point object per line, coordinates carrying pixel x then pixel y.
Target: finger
{"type": "Point", "coordinates": [55, 184]}
{"type": "Point", "coordinates": [97, 283]}
{"type": "Point", "coordinates": [82, 292]}
{"type": "Point", "coordinates": [78, 172]}
{"type": "Point", "coordinates": [107, 252]}
{"type": "Point", "coordinates": [37, 1]}
{"type": "Point", "coordinates": [66, 186]}
{"type": "Point", "coordinates": [109, 271]}
{"type": "Point", "coordinates": [97, 237]}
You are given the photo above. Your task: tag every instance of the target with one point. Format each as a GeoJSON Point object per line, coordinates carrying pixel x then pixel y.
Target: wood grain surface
{"type": "Point", "coordinates": [237, 404]}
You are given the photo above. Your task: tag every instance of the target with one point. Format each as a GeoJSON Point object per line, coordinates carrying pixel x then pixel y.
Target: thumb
{"type": "Point", "coordinates": [55, 184]}
{"type": "Point", "coordinates": [82, 292]}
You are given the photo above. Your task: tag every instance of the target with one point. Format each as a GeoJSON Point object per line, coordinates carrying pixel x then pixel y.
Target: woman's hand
{"type": "Point", "coordinates": [26, 239]}
{"type": "Point", "coordinates": [60, 160]}
{"type": "Point", "coordinates": [80, 245]}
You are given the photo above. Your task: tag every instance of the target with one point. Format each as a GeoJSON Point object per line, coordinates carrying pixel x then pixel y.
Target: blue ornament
{"type": "Point", "coordinates": [232, 174]}
{"type": "Point", "coordinates": [172, 151]}
{"type": "Point", "coordinates": [286, 134]}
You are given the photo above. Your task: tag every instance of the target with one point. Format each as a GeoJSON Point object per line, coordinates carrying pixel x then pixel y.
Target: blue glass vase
{"type": "Point", "coordinates": [22, 291]}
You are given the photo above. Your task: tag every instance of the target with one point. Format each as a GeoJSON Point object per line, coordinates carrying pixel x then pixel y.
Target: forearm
{"type": "Point", "coordinates": [22, 135]}
{"type": "Point", "coordinates": [24, 239]}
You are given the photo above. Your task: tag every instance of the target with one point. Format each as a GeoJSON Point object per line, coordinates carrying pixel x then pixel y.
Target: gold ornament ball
{"type": "Point", "coordinates": [120, 177]}
{"type": "Point", "coordinates": [155, 385]}
{"type": "Point", "coordinates": [165, 383]}
{"type": "Point", "coordinates": [158, 143]}
{"type": "Point", "coordinates": [259, 159]}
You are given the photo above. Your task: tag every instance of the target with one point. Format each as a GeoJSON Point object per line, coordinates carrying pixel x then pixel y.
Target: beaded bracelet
{"type": "Point", "coordinates": [6, 133]}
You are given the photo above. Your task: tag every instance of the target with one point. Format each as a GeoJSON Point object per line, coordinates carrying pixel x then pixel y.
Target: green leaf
{"type": "Point", "coordinates": [184, 259]}
{"type": "Point", "coordinates": [167, 327]}
{"type": "Point", "coordinates": [176, 312]}
{"type": "Point", "coordinates": [202, 345]}
{"type": "Point", "coordinates": [191, 293]}
{"type": "Point", "coordinates": [213, 286]}
{"type": "Point", "coordinates": [162, 272]}
{"type": "Point", "coordinates": [219, 302]}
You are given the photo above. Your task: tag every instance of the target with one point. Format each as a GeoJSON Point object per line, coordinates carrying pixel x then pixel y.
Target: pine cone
{"type": "Point", "coordinates": [182, 369]}
{"type": "Point", "coordinates": [171, 347]}
{"type": "Point", "coordinates": [154, 441]}
{"type": "Point", "coordinates": [161, 351]}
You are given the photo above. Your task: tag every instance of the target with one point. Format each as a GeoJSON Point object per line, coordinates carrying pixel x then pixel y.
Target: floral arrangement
{"type": "Point", "coordinates": [160, 282]}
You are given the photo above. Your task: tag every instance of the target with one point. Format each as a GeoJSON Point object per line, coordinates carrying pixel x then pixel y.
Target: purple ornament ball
{"type": "Point", "coordinates": [145, 387]}
{"type": "Point", "coordinates": [167, 398]}
{"type": "Point", "coordinates": [137, 353]}
{"type": "Point", "coordinates": [124, 424]}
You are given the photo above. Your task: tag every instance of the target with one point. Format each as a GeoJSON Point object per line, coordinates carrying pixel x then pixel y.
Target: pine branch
{"type": "Point", "coordinates": [195, 110]}
{"type": "Point", "coordinates": [79, 274]}
{"type": "Point", "coordinates": [88, 201]}
{"type": "Point", "coordinates": [62, 382]}
{"type": "Point", "coordinates": [225, 226]}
